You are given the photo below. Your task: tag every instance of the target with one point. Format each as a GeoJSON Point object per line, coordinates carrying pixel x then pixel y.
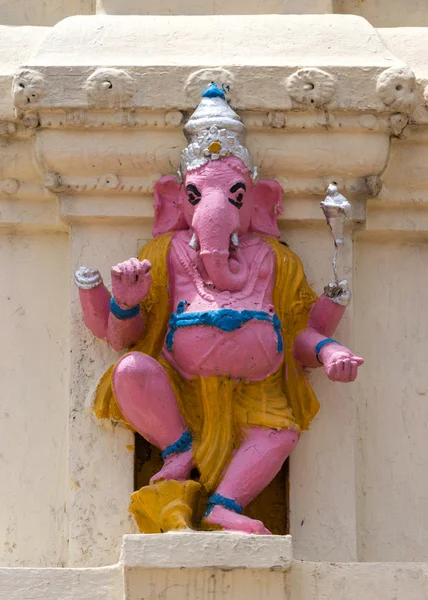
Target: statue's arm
{"type": "Point", "coordinates": [313, 347]}
{"type": "Point", "coordinates": [116, 318]}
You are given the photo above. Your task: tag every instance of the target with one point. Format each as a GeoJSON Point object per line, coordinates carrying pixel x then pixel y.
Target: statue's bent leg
{"type": "Point", "coordinates": [253, 466]}
{"type": "Point", "coordinates": [146, 399]}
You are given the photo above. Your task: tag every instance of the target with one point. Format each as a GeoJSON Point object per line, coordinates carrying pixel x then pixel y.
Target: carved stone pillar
{"type": "Point", "coordinates": [391, 459]}
{"type": "Point", "coordinates": [108, 215]}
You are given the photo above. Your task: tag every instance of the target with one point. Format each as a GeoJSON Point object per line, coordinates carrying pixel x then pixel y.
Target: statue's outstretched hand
{"type": "Point", "coordinates": [340, 364]}
{"type": "Point", "coordinates": [131, 281]}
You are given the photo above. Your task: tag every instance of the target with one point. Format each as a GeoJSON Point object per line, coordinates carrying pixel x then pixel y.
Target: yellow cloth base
{"type": "Point", "coordinates": [165, 506]}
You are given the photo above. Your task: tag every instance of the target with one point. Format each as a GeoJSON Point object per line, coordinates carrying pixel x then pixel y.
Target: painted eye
{"type": "Point", "coordinates": [237, 198]}
{"type": "Point", "coordinates": [193, 194]}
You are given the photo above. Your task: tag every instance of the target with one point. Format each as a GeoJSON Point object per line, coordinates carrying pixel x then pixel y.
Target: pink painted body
{"type": "Point", "coordinates": [217, 201]}
{"type": "Point", "coordinates": [249, 352]}
{"type": "Point", "coordinates": [96, 309]}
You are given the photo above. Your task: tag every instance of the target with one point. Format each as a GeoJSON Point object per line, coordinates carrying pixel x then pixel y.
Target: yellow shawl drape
{"type": "Point", "coordinates": [207, 402]}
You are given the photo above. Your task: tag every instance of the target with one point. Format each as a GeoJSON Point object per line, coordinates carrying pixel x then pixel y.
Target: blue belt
{"type": "Point", "coordinates": [225, 319]}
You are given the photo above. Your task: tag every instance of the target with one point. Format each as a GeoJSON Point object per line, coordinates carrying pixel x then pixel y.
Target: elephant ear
{"type": "Point", "coordinates": [267, 206]}
{"type": "Point", "coordinates": [168, 206]}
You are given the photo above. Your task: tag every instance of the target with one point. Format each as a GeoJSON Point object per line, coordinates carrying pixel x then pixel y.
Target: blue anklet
{"type": "Point", "coordinates": [183, 444]}
{"type": "Point", "coordinates": [123, 313]}
{"type": "Point", "coordinates": [219, 500]}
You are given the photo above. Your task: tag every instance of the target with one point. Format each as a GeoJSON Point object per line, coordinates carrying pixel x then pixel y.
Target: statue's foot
{"type": "Point", "coordinates": [176, 466]}
{"type": "Point", "coordinates": [232, 521]}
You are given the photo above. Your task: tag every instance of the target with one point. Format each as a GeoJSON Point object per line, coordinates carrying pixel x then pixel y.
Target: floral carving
{"type": "Point", "coordinates": [109, 181]}
{"type": "Point", "coordinates": [312, 87]}
{"type": "Point", "coordinates": [9, 186]}
{"type": "Point", "coordinates": [276, 119]}
{"type": "Point", "coordinates": [52, 182]}
{"type": "Point", "coordinates": [28, 88]}
{"type": "Point", "coordinates": [109, 88]}
{"type": "Point", "coordinates": [395, 88]}
{"type": "Point", "coordinates": [31, 120]}
{"type": "Point", "coordinates": [173, 118]}
{"type": "Point", "coordinates": [200, 80]}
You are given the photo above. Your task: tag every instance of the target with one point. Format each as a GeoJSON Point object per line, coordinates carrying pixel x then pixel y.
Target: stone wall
{"type": "Point", "coordinates": [91, 113]}
{"type": "Point", "coordinates": [380, 13]}
{"type": "Point", "coordinates": [48, 12]}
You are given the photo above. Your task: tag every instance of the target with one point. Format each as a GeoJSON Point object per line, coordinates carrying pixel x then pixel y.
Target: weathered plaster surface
{"type": "Point", "coordinates": [214, 550]}
{"type": "Point", "coordinates": [68, 584]}
{"type": "Point", "coordinates": [392, 460]}
{"type": "Point", "coordinates": [16, 45]}
{"type": "Point", "coordinates": [101, 469]}
{"type": "Point", "coordinates": [276, 577]}
{"type": "Point", "coordinates": [77, 166]}
{"type": "Point", "coordinates": [323, 523]}
{"type": "Point", "coordinates": [34, 364]}
{"type": "Point", "coordinates": [386, 13]}
{"type": "Point", "coordinates": [213, 7]}
{"type": "Point", "coordinates": [48, 12]}
{"type": "Point", "coordinates": [380, 581]}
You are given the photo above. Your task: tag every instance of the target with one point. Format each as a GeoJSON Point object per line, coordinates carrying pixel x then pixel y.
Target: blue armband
{"type": "Point", "coordinates": [321, 345]}
{"type": "Point", "coordinates": [123, 313]}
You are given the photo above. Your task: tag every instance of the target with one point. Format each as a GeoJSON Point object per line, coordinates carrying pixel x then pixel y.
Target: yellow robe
{"type": "Point", "coordinates": [217, 409]}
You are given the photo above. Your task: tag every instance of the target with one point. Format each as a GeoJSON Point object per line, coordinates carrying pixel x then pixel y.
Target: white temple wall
{"type": "Point", "coordinates": [322, 473]}
{"type": "Point", "coordinates": [46, 12]}
{"type": "Point", "coordinates": [76, 181]}
{"type": "Point", "coordinates": [214, 7]}
{"type": "Point", "coordinates": [386, 13]}
{"type": "Point", "coordinates": [34, 365]}
{"type": "Point", "coordinates": [391, 333]}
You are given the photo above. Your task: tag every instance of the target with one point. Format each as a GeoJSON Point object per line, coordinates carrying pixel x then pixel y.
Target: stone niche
{"type": "Point", "coordinates": [91, 114]}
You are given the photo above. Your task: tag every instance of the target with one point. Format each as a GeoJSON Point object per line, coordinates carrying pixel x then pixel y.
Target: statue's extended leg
{"type": "Point", "coordinates": [253, 466]}
{"type": "Point", "coordinates": [146, 398]}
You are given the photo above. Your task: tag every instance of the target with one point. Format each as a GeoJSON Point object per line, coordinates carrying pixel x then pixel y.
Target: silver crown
{"type": "Point", "coordinates": [214, 131]}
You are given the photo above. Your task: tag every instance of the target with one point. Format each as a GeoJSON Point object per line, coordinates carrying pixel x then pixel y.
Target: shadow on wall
{"type": "Point", "coordinates": [380, 13]}
{"type": "Point", "coordinates": [46, 13]}
{"type": "Point", "coordinates": [386, 13]}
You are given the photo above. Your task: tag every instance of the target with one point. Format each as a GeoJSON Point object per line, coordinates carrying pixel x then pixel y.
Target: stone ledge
{"type": "Point", "coordinates": [273, 68]}
{"type": "Point", "coordinates": [304, 581]}
{"type": "Point", "coordinates": [225, 551]}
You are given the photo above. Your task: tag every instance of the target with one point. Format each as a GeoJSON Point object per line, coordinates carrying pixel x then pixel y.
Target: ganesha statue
{"type": "Point", "coordinates": [219, 324]}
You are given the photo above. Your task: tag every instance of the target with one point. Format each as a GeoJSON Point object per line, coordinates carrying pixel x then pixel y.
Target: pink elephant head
{"type": "Point", "coordinates": [219, 203]}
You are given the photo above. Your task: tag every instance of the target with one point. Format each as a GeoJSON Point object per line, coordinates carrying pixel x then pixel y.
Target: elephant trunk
{"type": "Point", "coordinates": [216, 230]}
{"type": "Point", "coordinates": [228, 271]}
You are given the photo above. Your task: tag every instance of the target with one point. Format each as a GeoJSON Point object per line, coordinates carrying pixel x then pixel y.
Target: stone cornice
{"type": "Point", "coordinates": [96, 123]}
{"type": "Point", "coordinates": [135, 62]}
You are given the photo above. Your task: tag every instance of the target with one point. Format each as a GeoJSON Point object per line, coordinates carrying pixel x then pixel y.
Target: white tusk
{"type": "Point", "coordinates": [234, 239]}
{"type": "Point", "coordinates": [194, 242]}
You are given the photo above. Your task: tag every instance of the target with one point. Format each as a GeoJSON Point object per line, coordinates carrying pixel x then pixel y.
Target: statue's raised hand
{"type": "Point", "coordinates": [340, 364]}
{"type": "Point", "coordinates": [131, 281]}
